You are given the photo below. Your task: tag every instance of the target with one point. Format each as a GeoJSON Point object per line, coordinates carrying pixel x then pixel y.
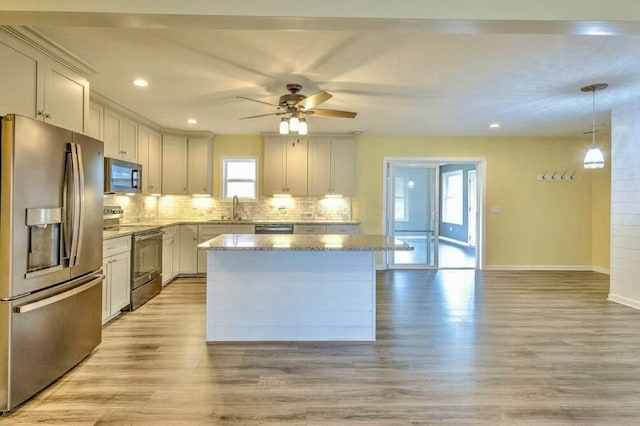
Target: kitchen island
{"type": "Point", "coordinates": [293, 287]}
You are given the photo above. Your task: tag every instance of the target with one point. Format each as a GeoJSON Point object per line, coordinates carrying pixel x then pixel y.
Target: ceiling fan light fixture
{"type": "Point", "coordinates": [294, 123]}
{"type": "Point", "coordinates": [303, 128]}
{"type": "Point", "coordinates": [284, 127]}
{"type": "Point", "coordinates": [594, 158]}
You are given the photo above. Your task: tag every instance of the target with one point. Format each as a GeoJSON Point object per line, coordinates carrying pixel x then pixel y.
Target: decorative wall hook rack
{"type": "Point", "coordinates": [564, 176]}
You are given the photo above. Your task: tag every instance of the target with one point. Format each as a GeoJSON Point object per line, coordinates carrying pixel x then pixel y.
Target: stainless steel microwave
{"type": "Point", "coordinates": [122, 176]}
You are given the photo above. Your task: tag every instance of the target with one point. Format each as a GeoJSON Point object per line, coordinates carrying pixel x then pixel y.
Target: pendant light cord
{"type": "Point", "coordinates": [593, 120]}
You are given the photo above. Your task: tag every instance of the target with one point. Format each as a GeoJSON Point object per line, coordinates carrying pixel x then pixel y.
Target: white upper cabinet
{"type": "Point", "coordinates": [320, 167]}
{"type": "Point", "coordinates": [150, 157]}
{"type": "Point", "coordinates": [96, 121]}
{"type": "Point", "coordinates": [120, 136]}
{"type": "Point", "coordinates": [200, 166]}
{"type": "Point", "coordinates": [331, 163]}
{"type": "Point", "coordinates": [174, 165]}
{"type": "Point", "coordinates": [19, 82]}
{"type": "Point", "coordinates": [285, 166]}
{"type": "Point", "coordinates": [35, 86]}
{"type": "Point", "coordinates": [342, 165]}
{"type": "Point", "coordinates": [65, 99]}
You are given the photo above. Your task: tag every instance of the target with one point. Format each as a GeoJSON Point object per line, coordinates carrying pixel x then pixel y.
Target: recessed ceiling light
{"type": "Point", "coordinates": [494, 125]}
{"type": "Point", "coordinates": [140, 82]}
{"type": "Point", "coordinates": [192, 121]}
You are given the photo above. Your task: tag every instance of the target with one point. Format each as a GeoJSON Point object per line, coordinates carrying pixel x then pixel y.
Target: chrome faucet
{"type": "Point", "coordinates": [235, 208]}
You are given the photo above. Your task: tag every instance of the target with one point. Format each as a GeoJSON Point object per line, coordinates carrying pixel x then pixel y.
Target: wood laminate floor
{"type": "Point", "coordinates": [454, 346]}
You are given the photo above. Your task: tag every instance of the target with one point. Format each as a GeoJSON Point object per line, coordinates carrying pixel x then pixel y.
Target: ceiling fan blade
{"type": "Point", "coordinates": [261, 115]}
{"type": "Point", "coordinates": [331, 113]}
{"type": "Point", "coordinates": [255, 100]}
{"type": "Point", "coordinates": [316, 99]}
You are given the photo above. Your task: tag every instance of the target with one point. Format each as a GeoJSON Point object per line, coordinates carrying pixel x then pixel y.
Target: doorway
{"type": "Point", "coordinates": [435, 206]}
{"type": "Point", "coordinates": [458, 219]}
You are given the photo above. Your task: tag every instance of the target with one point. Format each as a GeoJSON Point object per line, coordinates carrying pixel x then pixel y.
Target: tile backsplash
{"type": "Point", "coordinates": [140, 207]}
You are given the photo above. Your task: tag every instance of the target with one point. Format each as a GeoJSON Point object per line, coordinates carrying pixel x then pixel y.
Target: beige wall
{"type": "Point", "coordinates": [541, 223]}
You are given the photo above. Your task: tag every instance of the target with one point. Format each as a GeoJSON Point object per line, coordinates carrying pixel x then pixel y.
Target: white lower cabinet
{"type": "Point", "coordinates": [207, 232]}
{"type": "Point", "coordinates": [116, 288]}
{"type": "Point", "coordinates": [309, 229]}
{"type": "Point", "coordinates": [188, 249]}
{"type": "Point", "coordinates": [326, 229]}
{"type": "Point", "coordinates": [169, 253]}
{"type": "Point", "coordinates": [343, 229]}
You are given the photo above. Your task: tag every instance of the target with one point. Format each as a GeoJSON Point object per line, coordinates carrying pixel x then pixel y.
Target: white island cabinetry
{"type": "Point", "coordinates": [293, 287]}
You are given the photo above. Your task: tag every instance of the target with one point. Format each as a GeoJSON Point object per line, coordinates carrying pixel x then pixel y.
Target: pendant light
{"type": "Point", "coordinates": [594, 159]}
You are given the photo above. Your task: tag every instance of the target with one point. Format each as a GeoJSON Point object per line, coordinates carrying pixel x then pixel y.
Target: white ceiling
{"type": "Point", "coordinates": [401, 82]}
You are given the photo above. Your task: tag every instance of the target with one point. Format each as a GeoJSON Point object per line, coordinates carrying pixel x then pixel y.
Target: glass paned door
{"type": "Point", "coordinates": [412, 212]}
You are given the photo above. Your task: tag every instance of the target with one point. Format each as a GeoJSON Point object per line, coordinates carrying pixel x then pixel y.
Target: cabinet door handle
{"type": "Point", "coordinates": [40, 112]}
{"type": "Point", "coordinates": [47, 115]}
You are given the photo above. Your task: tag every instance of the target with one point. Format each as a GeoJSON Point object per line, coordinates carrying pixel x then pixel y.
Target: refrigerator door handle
{"type": "Point", "coordinates": [67, 209]}
{"type": "Point", "coordinates": [61, 296]}
{"type": "Point", "coordinates": [80, 193]}
{"type": "Point", "coordinates": [76, 205]}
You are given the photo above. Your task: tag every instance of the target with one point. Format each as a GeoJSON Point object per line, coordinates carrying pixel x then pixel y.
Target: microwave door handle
{"type": "Point", "coordinates": [135, 178]}
{"type": "Point", "coordinates": [81, 210]}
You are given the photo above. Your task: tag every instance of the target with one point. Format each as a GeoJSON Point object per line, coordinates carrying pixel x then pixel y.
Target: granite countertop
{"type": "Point", "coordinates": [124, 230]}
{"type": "Point", "coordinates": [171, 222]}
{"type": "Point", "coordinates": [145, 225]}
{"type": "Point", "coordinates": [300, 242]}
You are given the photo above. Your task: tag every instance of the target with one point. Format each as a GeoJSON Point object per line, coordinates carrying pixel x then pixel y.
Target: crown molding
{"type": "Point", "coordinates": [50, 48]}
{"type": "Point", "coordinates": [107, 102]}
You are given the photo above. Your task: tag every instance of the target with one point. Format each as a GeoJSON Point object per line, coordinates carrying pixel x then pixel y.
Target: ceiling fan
{"type": "Point", "coordinates": [294, 105]}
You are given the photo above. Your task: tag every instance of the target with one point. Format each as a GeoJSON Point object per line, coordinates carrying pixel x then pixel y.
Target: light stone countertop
{"type": "Point", "coordinates": [171, 222]}
{"type": "Point", "coordinates": [301, 242]}
{"type": "Point", "coordinates": [130, 228]}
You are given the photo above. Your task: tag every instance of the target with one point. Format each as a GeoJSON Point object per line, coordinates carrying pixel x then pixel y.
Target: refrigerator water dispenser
{"type": "Point", "coordinates": [45, 253]}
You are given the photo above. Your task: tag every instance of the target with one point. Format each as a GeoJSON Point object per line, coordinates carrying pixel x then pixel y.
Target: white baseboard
{"type": "Point", "coordinates": [632, 303]}
{"type": "Point", "coordinates": [605, 271]}
{"type": "Point", "coordinates": [381, 267]}
{"type": "Point", "coordinates": [538, 268]}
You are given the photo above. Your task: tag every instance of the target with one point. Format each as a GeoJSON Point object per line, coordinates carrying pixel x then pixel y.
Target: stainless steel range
{"type": "Point", "coordinates": [146, 257]}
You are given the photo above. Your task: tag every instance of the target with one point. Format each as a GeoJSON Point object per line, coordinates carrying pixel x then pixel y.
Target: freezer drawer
{"type": "Point", "coordinates": [48, 337]}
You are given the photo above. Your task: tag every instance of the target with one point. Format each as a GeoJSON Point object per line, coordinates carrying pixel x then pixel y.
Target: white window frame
{"type": "Point", "coordinates": [446, 215]}
{"type": "Point", "coordinates": [224, 180]}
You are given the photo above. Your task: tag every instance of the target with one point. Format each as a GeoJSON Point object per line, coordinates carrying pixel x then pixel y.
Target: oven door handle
{"type": "Point", "coordinates": [148, 236]}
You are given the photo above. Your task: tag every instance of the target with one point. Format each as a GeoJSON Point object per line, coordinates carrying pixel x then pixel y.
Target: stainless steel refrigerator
{"type": "Point", "coordinates": [51, 185]}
